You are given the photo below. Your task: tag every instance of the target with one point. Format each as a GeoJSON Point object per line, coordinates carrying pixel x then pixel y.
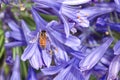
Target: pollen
{"type": "Point", "coordinates": [22, 7]}
{"type": "Point", "coordinates": [107, 33]}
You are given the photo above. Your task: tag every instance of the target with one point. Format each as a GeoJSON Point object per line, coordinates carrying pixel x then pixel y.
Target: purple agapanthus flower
{"type": "Point", "coordinates": [82, 16]}
{"type": "Point", "coordinates": [72, 14]}
{"type": "Point", "coordinates": [32, 51]}
{"type": "Point", "coordinates": [55, 40]}
{"type": "Point", "coordinates": [16, 69]}
{"type": "Point", "coordinates": [56, 32]}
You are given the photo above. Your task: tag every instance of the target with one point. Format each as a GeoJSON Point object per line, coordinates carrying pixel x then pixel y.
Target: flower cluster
{"type": "Point", "coordinates": [78, 43]}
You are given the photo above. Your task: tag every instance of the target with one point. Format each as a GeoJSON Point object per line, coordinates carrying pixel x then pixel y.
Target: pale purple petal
{"type": "Point", "coordinates": [29, 51]}
{"type": "Point", "coordinates": [16, 69]}
{"type": "Point", "coordinates": [116, 48]}
{"type": "Point", "coordinates": [47, 58]}
{"type": "Point", "coordinates": [15, 44]}
{"type": "Point", "coordinates": [40, 23]}
{"type": "Point", "coordinates": [75, 2]}
{"type": "Point", "coordinates": [36, 60]}
{"type": "Point", "coordinates": [26, 30]}
{"type": "Point", "coordinates": [71, 41]}
{"type": "Point", "coordinates": [92, 59]}
{"type": "Point", "coordinates": [117, 2]}
{"type": "Point", "coordinates": [15, 35]}
{"type": "Point", "coordinates": [53, 69]}
{"type": "Point", "coordinates": [114, 68]}
{"type": "Point", "coordinates": [14, 26]}
{"type": "Point", "coordinates": [61, 54]}
{"type": "Point", "coordinates": [62, 73]}
{"type": "Point", "coordinates": [66, 26]}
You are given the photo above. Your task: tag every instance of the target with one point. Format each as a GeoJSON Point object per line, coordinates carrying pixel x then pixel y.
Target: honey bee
{"type": "Point", "coordinates": [43, 39]}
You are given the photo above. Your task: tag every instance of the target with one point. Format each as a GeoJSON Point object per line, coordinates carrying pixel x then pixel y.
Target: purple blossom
{"type": "Point", "coordinates": [72, 14]}
{"type": "Point", "coordinates": [68, 48]}
{"type": "Point", "coordinates": [38, 55]}
{"type": "Point", "coordinates": [32, 51]}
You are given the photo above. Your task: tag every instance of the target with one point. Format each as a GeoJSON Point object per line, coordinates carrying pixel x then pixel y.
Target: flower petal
{"type": "Point", "coordinates": [75, 2]}
{"type": "Point", "coordinates": [31, 74]}
{"type": "Point", "coordinates": [15, 44]}
{"type": "Point", "coordinates": [114, 68]}
{"type": "Point", "coordinates": [116, 48]}
{"type": "Point", "coordinates": [91, 60]}
{"type": "Point", "coordinates": [36, 60]}
{"type": "Point", "coordinates": [74, 74]}
{"type": "Point", "coordinates": [117, 2]}
{"type": "Point", "coordinates": [15, 35]}
{"type": "Point", "coordinates": [14, 26]}
{"type": "Point", "coordinates": [16, 69]}
{"type": "Point", "coordinates": [25, 29]}
{"type": "Point", "coordinates": [66, 26]}
{"type": "Point", "coordinates": [28, 52]}
{"type": "Point", "coordinates": [70, 41]}
{"type": "Point", "coordinates": [62, 73]}
{"type": "Point", "coordinates": [53, 69]}
{"type": "Point", "coordinates": [40, 23]}
{"type": "Point", "coordinates": [61, 54]}
{"type": "Point", "coordinates": [47, 58]}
